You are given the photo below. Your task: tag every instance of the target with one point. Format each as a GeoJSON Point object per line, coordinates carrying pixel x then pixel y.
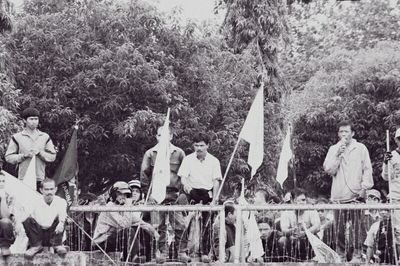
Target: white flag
{"type": "Point", "coordinates": [284, 158]}
{"type": "Point", "coordinates": [252, 237]}
{"type": "Point", "coordinates": [30, 176]}
{"type": "Point", "coordinates": [253, 131]}
{"type": "Point", "coordinates": [323, 253]}
{"type": "Point", "coordinates": [161, 171]}
{"type": "Point", "coordinates": [24, 201]}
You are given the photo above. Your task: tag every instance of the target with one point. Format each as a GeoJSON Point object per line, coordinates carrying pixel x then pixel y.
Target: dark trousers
{"type": "Point", "coordinates": [121, 241]}
{"type": "Point", "coordinates": [348, 239]}
{"type": "Point", "coordinates": [7, 236]}
{"type": "Point", "coordinates": [42, 237]}
{"type": "Point", "coordinates": [177, 223]}
{"type": "Point", "coordinates": [201, 196]}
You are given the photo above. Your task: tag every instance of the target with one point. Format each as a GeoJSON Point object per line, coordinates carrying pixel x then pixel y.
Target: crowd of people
{"type": "Point", "coordinates": [195, 179]}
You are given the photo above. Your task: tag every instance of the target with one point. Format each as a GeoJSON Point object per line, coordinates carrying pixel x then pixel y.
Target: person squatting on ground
{"type": "Point", "coordinates": [391, 164]}
{"type": "Point", "coordinates": [200, 173]}
{"type": "Point", "coordinates": [46, 227]}
{"type": "Point", "coordinates": [28, 143]}
{"type": "Point", "coordinates": [294, 241]}
{"type": "Point", "coordinates": [7, 236]}
{"type": "Point", "coordinates": [115, 231]}
{"type": "Point", "coordinates": [349, 164]}
{"type": "Point", "coordinates": [176, 219]}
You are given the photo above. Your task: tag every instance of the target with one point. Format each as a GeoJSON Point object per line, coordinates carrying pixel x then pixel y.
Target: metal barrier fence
{"type": "Point", "coordinates": [176, 224]}
{"type": "Point", "coordinates": [357, 232]}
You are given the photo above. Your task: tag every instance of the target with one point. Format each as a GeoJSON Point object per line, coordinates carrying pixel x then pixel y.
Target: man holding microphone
{"type": "Point", "coordinates": [349, 164]}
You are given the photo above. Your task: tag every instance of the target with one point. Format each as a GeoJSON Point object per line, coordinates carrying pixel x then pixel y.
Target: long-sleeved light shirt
{"type": "Point", "coordinates": [394, 166]}
{"type": "Point", "coordinates": [110, 222]}
{"type": "Point", "coordinates": [351, 172]}
{"type": "Point", "coordinates": [22, 143]}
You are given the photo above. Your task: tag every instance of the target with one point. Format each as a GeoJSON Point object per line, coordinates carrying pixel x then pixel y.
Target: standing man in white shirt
{"type": "Point", "coordinates": [200, 174]}
{"type": "Point", "coordinates": [46, 227]}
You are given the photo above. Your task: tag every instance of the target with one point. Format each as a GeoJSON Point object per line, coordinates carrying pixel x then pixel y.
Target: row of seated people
{"type": "Point", "coordinates": [282, 232]}
{"type": "Point", "coordinates": [284, 236]}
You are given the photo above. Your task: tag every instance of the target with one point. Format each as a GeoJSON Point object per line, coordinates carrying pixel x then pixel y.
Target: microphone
{"type": "Point", "coordinates": [343, 143]}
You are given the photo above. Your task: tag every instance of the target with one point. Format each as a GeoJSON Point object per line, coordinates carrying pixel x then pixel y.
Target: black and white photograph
{"type": "Point", "coordinates": [199, 132]}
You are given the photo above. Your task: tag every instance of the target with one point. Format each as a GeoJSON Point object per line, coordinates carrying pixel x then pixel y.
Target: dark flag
{"type": "Point", "coordinates": [67, 171]}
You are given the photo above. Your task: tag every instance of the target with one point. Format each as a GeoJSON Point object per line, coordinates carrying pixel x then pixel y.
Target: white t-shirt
{"type": "Point", "coordinates": [289, 219]}
{"type": "Point", "coordinates": [200, 174]}
{"type": "Point", "coordinates": [45, 214]}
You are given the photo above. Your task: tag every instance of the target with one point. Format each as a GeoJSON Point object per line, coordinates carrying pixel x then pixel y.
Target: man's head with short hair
{"type": "Point", "coordinates": [201, 137]}
{"type": "Point", "coordinates": [30, 112]}
{"type": "Point", "coordinates": [230, 212]}
{"type": "Point", "coordinates": [200, 144]}
{"type": "Point", "coordinates": [31, 117]}
{"type": "Point", "coordinates": [345, 131]}
{"type": "Point", "coordinates": [299, 195]}
{"type": "Point", "coordinates": [48, 189]}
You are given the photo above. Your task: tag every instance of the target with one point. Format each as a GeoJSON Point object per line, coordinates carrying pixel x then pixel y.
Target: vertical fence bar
{"type": "Point", "coordinates": [238, 233]}
{"type": "Point", "coordinates": [222, 239]}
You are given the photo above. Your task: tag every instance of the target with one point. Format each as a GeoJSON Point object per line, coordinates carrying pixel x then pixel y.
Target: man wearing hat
{"type": "Point", "coordinates": [116, 230]}
{"type": "Point", "coordinates": [136, 189]}
{"type": "Point", "coordinates": [28, 143]}
{"type": "Point", "coordinates": [391, 165]}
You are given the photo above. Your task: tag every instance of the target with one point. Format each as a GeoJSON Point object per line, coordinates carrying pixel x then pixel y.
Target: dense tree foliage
{"type": "Point", "coordinates": [5, 16]}
{"type": "Point", "coordinates": [339, 67]}
{"type": "Point", "coordinates": [362, 86]}
{"type": "Point", "coordinates": [116, 69]}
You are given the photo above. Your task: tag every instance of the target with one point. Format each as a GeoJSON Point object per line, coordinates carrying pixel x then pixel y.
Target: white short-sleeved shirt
{"type": "Point", "coordinates": [200, 174]}
{"type": "Point", "coordinates": [289, 219]}
{"type": "Point", "coordinates": [56, 209]}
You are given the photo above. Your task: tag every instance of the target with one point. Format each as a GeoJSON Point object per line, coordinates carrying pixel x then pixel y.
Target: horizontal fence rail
{"type": "Point", "coordinates": [345, 228]}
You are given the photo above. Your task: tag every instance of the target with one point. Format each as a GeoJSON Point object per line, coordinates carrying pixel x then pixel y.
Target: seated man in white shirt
{"type": "Point", "coordinates": [200, 174]}
{"type": "Point", "coordinates": [294, 240]}
{"type": "Point", "coordinates": [46, 227]}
